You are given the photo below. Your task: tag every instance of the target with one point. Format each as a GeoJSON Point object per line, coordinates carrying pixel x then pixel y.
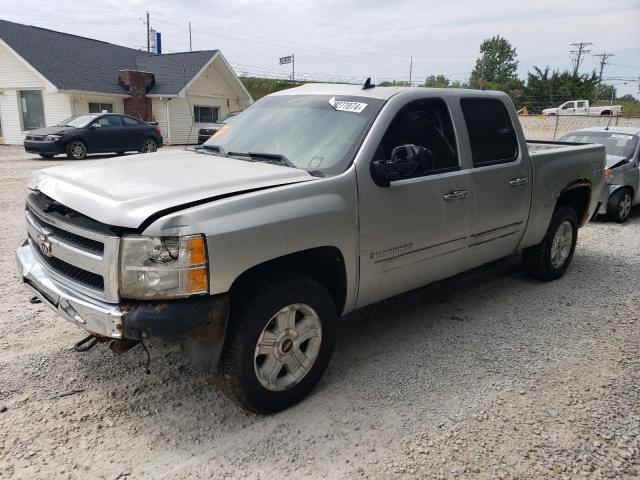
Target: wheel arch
{"type": "Point", "coordinates": [577, 195]}
{"type": "Point", "coordinates": [325, 264]}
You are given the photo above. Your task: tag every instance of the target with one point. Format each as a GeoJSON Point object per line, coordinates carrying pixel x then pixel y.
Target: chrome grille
{"type": "Point", "coordinates": [83, 259]}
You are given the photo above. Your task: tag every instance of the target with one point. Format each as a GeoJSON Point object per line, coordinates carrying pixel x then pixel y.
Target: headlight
{"type": "Point", "coordinates": [54, 138]}
{"type": "Point", "coordinates": [163, 267]}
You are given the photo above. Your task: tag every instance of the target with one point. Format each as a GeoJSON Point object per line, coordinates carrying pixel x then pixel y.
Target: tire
{"type": "Point", "coordinates": [619, 206]}
{"type": "Point", "coordinates": [149, 145]}
{"type": "Point", "coordinates": [46, 155]}
{"type": "Point", "coordinates": [266, 383]}
{"type": "Point", "coordinates": [549, 259]}
{"type": "Point", "coordinates": [76, 150]}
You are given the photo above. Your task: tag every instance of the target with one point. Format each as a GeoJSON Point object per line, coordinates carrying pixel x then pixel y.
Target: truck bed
{"type": "Point", "coordinates": [536, 146]}
{"type": "Point", "coordinates": [554, 166]}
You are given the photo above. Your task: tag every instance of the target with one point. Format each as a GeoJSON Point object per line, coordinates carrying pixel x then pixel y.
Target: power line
{"type": "Point", "coordinates": [581, 49]}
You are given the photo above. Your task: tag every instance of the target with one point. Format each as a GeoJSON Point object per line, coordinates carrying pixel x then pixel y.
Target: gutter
{"type": "Point", "coordinates": [168, 116]}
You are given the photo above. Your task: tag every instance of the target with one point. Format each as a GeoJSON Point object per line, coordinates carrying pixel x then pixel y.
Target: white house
{"type": "Point", "coordinates": [47, 76]}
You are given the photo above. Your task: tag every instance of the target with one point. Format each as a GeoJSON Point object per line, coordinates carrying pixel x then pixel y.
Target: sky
{"type": "Point", "coordinates": [349, 40]}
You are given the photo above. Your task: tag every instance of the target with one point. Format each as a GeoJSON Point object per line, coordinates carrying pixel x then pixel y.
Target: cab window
{"type": "Point", "coordinates": [424, 123]}
{"type": "Point", "coordinates": [491, 134]}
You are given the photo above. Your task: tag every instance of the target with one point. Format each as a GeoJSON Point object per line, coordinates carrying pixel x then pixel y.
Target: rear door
{"type": "Point", "coordinates": [501, 179]}
{"type": "Point", "coordinates": [415, 230]}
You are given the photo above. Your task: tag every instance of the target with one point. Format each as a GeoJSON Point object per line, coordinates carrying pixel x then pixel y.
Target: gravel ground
{"type": "Point", "coordinates": [486, 375]}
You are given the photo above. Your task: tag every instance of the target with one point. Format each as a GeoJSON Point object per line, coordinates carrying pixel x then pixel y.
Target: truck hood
{"type": "Point", "coordinates": [126, 191]}
{"type": "Point", "coordinates": [547, 111]}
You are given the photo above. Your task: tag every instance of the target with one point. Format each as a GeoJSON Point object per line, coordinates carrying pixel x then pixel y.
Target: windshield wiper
{"type": "Point", "coordinates": [274, 158]}
{"type": "Point", "coordinates": [214, 148]}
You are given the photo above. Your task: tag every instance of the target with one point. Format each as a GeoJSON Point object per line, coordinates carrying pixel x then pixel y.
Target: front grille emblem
{"type": "Point", "coordinates": [45, 245]}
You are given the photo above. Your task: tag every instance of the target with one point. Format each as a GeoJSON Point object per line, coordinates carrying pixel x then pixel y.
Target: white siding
{"type": "Point", "coordinates": [160, 115]}
{"type": "Point", "coordinates": [209, 89]}
{"type": "Point", "coordinates": [14, 76]}
{"type": "Point", "coordinates": [57, 107]}
{"type": "Point", "coordinates": [81, 102]}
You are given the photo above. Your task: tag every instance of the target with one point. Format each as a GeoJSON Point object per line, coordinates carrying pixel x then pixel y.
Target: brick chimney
{"type": "Point", "coordinates": [137, 83]}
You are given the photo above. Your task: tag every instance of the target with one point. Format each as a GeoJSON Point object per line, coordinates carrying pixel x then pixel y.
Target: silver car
{"type": "Point", "coordinates": [621, 190]}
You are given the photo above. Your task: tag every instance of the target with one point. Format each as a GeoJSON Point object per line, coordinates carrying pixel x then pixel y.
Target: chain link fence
{"type": "Point", "coordinates": [538, 127]}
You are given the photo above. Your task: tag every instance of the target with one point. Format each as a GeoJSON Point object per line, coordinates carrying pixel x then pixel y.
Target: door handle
{"type": "Point", "coordinates": [456, 195]}
{"type": "Point", "coordinates": [518, 182]}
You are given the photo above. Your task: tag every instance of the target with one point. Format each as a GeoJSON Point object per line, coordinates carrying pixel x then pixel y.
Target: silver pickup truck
{"type": "Point", "coordinates": [314, 202]}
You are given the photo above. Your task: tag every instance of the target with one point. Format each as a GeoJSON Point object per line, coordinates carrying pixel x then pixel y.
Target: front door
{"type": "Point", "coordinates": [415, 230]}
{"type": "Point", "coordinates": [107, 135]}
{"type": "Point", "coordinates": [501, 179]}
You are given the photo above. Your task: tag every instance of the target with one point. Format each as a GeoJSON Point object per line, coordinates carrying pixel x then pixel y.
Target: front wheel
{"type": "Point", "coordinates": [550, 258]}
{"type": "Point", "coordinates": [619, 206]}
{"type": "Point", "coordinates": [76, 150]}
{"type": "Point", "coordinates": [149, 145]}
{"type": "Point", "coordinates": [278, 344]}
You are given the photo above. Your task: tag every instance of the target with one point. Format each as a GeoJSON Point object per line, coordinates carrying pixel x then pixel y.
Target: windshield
{"type": "Point", "coordinates": [78, 121]}
{"type": "Point", "coordinates": [620, 144]}
{"type": "Point", "coordinates": [319, 133]}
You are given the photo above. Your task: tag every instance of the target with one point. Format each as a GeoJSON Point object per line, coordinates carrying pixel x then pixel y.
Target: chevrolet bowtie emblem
{"type": "Point", "coordinates": [45, 245]}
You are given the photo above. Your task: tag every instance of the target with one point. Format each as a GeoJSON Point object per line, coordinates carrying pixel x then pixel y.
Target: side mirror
{"type": "Point", "coordinates": [405, 160]}
{"type": "Point", "coordinates": [95, 125]}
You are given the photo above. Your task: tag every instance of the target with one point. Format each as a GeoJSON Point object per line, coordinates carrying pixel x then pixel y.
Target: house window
{"type": "Point", "coordinates": [202, 114]}
{"type": "Point", "coordinates": [100, 107]}
{"type": "Point", "coordinates": [32, 109]}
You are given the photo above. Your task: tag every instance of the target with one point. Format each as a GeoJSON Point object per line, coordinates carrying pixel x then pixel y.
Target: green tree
{"type": "Point", "coordinates": [496, 65]}
{"type": "Point", "coordinates": [546, 88]}
{"type": "Point", "coordinates": [437, 81]}
{"type": "Point", "coordinates": [394, 83]}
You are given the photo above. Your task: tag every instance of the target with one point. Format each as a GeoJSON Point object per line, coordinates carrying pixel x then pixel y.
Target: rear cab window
{"type": "Point", "coordinates": [491, 133]}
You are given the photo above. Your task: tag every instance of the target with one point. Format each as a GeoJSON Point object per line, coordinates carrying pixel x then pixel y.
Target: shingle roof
{"type": "Point", "coordinates": [71, 62]}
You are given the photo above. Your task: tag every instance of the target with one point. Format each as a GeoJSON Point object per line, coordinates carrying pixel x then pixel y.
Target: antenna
{"type": "Point", "coordinates": [367, 84]}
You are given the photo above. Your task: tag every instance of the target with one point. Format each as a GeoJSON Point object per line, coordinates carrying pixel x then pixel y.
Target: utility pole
{"type": "Point", "coordinates": [293, 69]}
{"type": "Point", "coordinates": [603, 62]}
{"type": "Point", "coordinates": [410, 70]}
{"type": "Point", "coordinates": [148, 39]}
{"type": "Point", "coordinates": [581, 49]}
{"type": "Point", "coordinates": [481, 71]}
{"type": "Point", "coordinates": [190, 44]}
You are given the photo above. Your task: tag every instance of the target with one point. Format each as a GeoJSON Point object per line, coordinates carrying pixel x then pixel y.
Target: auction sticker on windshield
{"type": "Point", "coordinates": [623, 137]}
{"type": "Point", "coordinates": [344, 106]}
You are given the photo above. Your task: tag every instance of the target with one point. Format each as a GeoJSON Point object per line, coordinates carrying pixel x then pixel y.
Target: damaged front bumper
{"type": "Point", "coordinates": [198, 323]}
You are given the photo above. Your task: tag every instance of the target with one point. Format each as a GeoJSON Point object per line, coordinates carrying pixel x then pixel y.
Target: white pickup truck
{"type": "Point", "coordinates": [582, 107]}
{"type": "Point", "coordinates": [314, 202]}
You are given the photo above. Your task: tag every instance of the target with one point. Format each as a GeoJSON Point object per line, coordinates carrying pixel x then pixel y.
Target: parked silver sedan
{"type": "Point", "coordinates": [621, 190]}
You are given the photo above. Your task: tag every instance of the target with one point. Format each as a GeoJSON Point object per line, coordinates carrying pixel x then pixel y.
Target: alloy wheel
{"type": "Point", "coordinates": [561, 245]}
{"type": "Point", "coordinates": [288, 347]}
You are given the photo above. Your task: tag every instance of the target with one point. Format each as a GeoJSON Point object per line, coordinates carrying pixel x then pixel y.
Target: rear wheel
{"type": "Point", "coordinates": [46, 155]}
{"type": "Point", "coordinates": [619, 206]}
{"type": "Point", "coordinates": [149, 145]}
{"type": "Point", "coordinates": [550, 258]}
{"type": "Point", "coordinates": [76, 150]}
{"type": "Point", "coordinates": [278, 344]}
